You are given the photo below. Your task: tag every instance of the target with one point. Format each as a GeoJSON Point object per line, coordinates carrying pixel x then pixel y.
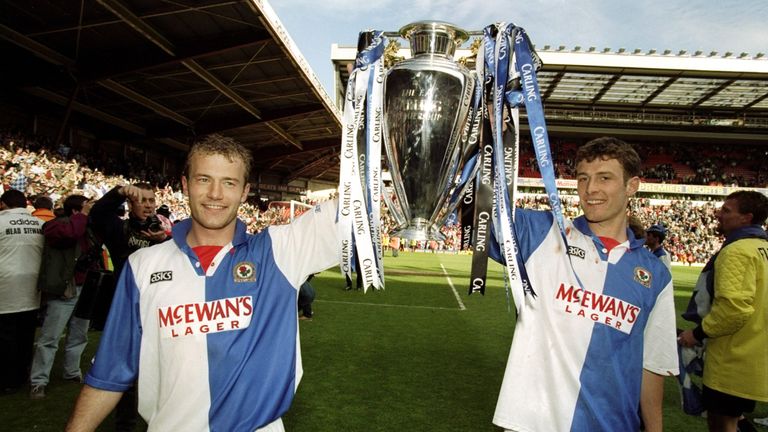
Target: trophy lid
{"type": "Point", "coordinates": [434, 37]}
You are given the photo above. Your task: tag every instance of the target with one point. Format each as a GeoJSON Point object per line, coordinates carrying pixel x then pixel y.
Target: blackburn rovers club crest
{"type": "Point", "coordinates": [643, 277]}
{"type": "Point", "coordinates": [245, 272]}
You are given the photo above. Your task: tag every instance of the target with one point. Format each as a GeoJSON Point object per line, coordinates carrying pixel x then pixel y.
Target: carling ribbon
{"type": "Point", "coordinates": [483, 217]}
{"type": "Point", "coordinates": [470, 140]}
{"type": "Point", "coordinates": [354, 221]}
{"type": "Point", "coordinates": [513, 41]}
{"type": "Point", "coordinates": [373, 182]}
{"type": "Point", "coordinates": [526, 63]}
{"type": "Point", "coordinates": [504, 203]}
{"type": "Point", "coordinates": [483, 198]}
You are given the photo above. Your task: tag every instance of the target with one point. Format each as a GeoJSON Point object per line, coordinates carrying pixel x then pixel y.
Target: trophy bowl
{"type": "Point", "coordinates": [426, 102]}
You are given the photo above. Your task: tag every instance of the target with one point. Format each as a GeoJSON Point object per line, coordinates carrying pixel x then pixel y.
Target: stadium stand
{"type": "Point", "coordinates": [45, 170]}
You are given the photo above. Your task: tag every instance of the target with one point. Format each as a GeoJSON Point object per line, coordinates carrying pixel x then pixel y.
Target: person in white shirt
{"type": "Point", "coordinates": [21, 249]}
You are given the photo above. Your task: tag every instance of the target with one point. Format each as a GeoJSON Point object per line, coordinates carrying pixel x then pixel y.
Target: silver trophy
{"type": "Point", "coordinates": [426, 102]}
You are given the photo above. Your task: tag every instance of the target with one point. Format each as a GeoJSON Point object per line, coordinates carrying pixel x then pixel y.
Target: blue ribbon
{"type": "Point", "coordinates": [372, 52]}
{"type": "Point", "coordinates": [538, 126]}
{"type": "Point", "coordinates": [497, 55]}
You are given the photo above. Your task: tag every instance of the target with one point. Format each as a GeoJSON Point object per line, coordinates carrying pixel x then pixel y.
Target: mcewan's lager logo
{"type": "Point", "coordinates": [597, 307]}
{"type": "Point", "coordinates": [201, 318]}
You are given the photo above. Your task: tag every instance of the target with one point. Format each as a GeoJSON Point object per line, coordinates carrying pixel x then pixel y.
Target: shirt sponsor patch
{"type": "Point", "coordinates": [244, 272]}
{"type": "Point", "coordinates": [201, 318]}
{"type": "Point", "coordinates": [576, 251]}
{"type": "Point", "coordinates": [161, 276]}
{"type": "Point", "coordinates": [599, 308]}
{"type": "Point", "coordinates": [643, 277]}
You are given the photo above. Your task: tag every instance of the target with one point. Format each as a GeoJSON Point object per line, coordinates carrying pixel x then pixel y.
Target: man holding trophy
{"type": "Point", "coordinates": [597, 339]}
{"type": "Point", "coordinates": [595, 333]}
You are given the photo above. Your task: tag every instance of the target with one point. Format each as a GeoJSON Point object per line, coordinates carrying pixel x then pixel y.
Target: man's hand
{"type": "Point", "coordinates": [155, 236]}
{"type": "Point", "coordinates": [687, 339]}
{"type": "Point", "coordinates": [131, 192]}
{"type": "Point", "coordinates": [87, 207]}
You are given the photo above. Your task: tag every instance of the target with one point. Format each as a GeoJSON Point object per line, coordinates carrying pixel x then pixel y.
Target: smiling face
{"type": "Point", "coordinates": [604, 194]}
{"type": "Point", "coordinates": [216, 187]}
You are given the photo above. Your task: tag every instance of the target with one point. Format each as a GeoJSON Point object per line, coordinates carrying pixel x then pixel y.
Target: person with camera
{"type": "Point", "coordinates": [60, 281]}
{"type": "Point", "coordinates": [141, 229]}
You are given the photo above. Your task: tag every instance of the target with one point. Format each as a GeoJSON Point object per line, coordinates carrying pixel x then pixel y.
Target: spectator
{"type": "Point", "coordinates": [21, 247]}
{"type": "Point", "coordinates": [654, 237]}
{"type": "Point", "coordinates": [732, 311]}
{"type": "Point", "coordinates": [306, 297]}
{"type": "Point", "coordinates": [65, 240]}
{"type": "Point", "coordinates": [43, 208]}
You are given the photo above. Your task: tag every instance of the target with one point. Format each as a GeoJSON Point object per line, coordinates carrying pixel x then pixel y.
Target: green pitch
{"type": "Point", "coordinates": [416, 356]}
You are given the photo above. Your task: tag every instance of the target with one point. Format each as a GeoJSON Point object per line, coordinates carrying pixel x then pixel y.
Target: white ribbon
{"type": "Point", "coordinates": [354, 224]}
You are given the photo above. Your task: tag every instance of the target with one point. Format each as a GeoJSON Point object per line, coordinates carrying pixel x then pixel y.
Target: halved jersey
{"type": "Point", "coordinates": [578, 352]}
{"type": "Point", "coordinates": [215, 350]}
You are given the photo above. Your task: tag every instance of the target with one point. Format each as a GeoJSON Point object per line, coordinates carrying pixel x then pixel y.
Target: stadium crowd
{"type": "Point", "coordinates": [31, 164]}
{"type": "Point", "coordinates": [680, 163]}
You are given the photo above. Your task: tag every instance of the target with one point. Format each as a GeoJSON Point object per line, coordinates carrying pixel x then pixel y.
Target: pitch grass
{"type": "Point", "coordinates": [404, 359]}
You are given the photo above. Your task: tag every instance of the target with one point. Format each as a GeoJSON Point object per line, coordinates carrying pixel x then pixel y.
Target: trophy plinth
{"type": "Point", "coordinates": [426, 101]}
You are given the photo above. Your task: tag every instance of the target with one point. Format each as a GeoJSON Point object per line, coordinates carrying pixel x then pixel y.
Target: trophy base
{"type": "Point", "coordinates": [419, 229]}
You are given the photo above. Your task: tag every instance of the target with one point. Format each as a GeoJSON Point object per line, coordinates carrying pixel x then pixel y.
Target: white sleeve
{"type": "Point", "coordinates": [307, 245]}
{"type": "Point", "coordinates": [667, 260]}
{"type": "Point", "coordinates": [660, 337]}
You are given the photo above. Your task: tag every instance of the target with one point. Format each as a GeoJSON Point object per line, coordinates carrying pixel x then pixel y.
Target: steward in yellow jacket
{"type": "Point", "coordinates": [737, 326]}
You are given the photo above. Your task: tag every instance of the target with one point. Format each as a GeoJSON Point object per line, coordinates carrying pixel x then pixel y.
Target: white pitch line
{"type": "Point", "coordinates": [453, 288]}
{"type": "Point", "coordinates": [385, 305]}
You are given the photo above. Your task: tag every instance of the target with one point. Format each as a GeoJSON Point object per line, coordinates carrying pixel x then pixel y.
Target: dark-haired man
{"type": "Point", "coordinates": [731, 307]}
{"type": "Point", "coordinates": [43, 208]}
{"type": "Point", "coordinates": [208, 321]}
{"type": "Point", "coordinates": [66, 240]}
{"type": "Point", "coordinates": [654, 237]}
{"type": "Point", "coordinates": [21, 247]}
{"type": "Point", "coordinates": [121, 237]}
{"type": "Point", "coordinates": [596, 335]}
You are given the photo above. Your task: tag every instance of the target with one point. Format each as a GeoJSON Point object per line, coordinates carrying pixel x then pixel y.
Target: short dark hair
{"type": "Point", "coordinates": [611, 148]}
{"type": "Point", "coordinates": [14, 199]}
{"type": "Point", "coordinates": [72, 203]}
{"type": "Point", "coordinates": [659, 231]}
{"type": "Point", "coordinates": [216, 144]}
{"type": "Point", "coordinates": [751, 202]}
{"type": "Point", "coordinates": [43, 202]}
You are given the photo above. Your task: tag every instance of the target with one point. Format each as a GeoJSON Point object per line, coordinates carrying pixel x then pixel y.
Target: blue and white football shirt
{"type": "Point", "coordinates": [215, 350]}
{"type": "Point", "coordinates": [578, 355]}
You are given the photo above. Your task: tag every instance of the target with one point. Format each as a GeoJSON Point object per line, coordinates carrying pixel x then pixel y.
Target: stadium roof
{"type": "Point", "coordinates": [652, 95]}
{"type": "Point", "coordinates": [157, 74]}
{"type": "Point", "coordinates": [161, 72]}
